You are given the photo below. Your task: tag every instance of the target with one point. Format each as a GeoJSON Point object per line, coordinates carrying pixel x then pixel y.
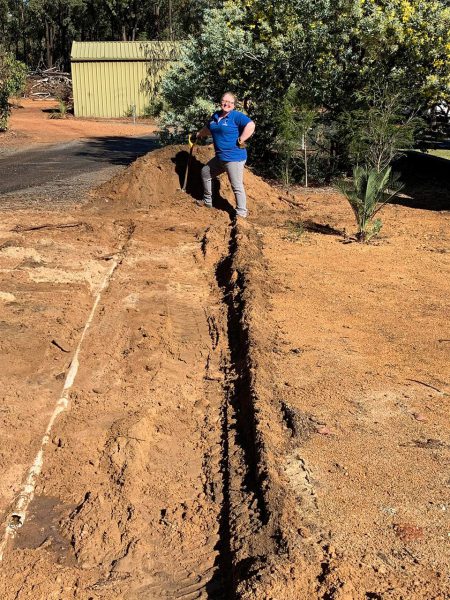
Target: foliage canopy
{"type": "Point", "coordinates": [12, 80]}
{"type": "Point", "coordinates": [335, 52]}
{"type": "Point", "coordinates": [40, 32]}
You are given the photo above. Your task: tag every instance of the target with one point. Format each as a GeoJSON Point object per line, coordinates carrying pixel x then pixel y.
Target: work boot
{"type": "Point", "coordinates": [203, 203]}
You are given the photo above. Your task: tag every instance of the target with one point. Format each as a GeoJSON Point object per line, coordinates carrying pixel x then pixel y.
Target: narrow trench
{"type": "Point", "coordinates": [238, 422]}
{"type": "Point", "coordinates": [240, 396]}
{"type": "Point", "coordinates": [223, 578]}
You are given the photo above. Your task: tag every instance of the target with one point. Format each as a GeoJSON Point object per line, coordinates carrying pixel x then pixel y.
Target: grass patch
{"type": "Point", "coordinates": [440, 153]}
{"type": "Point", "coordinates": [294, 231]}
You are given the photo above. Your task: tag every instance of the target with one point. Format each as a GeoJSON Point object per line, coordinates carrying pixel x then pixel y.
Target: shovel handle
{"type": "Point", "coordinates": [191, 145]}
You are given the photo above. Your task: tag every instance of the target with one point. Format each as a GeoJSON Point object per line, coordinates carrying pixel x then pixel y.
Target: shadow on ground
{"type": "Point", "coordinates": [426, 179]}
{"type": "Point", "coordinates": [194, 186]}
{"type": "Point", "coordinates": [56, 164]}
{"type": "Point", "coordinates": [116, 150]}
{"type": "Point", "coordinates": [326, 229]}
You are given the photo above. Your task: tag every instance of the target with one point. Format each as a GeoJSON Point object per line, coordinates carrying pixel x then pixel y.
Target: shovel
{"type": "Point", "coordinates": [191, 146]}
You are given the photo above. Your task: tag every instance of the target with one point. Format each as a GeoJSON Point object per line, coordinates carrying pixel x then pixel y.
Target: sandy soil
{"type": "Point", "coordinates": [30, 124]}
{"type": "Point", "coordinates": [260, 409]}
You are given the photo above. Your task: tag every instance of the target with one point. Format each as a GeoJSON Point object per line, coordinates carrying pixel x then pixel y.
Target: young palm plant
{"type": "Point", "coordinates": [367, 193]}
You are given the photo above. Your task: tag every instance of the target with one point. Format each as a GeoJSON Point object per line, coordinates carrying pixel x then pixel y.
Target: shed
{"type": "Point", "coordinates": [113, 79]}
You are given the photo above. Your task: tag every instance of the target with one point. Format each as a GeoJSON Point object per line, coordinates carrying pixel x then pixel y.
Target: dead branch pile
{"type": "Point", "coordinates": [49, 83]}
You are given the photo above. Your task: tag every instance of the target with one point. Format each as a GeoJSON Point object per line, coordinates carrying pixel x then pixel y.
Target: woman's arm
{"type": "Point", "coordinates": [247, 132]}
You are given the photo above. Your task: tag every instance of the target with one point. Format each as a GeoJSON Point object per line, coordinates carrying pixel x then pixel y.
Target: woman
{"type": "Point", "coordinates": [230, 129]}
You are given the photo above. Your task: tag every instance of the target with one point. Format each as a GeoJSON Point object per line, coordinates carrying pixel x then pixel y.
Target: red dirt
{"type": "Point", "coordinates": [244, 421]}
{"type": "Point", "coordinates": [30, 124]}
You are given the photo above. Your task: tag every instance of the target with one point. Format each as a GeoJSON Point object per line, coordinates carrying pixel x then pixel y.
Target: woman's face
{"type": "Point", "coordinates": [227, 103]}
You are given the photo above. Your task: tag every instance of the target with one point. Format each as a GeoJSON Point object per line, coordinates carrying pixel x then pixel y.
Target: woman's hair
{"type": "Point", "coordinates": [228, 94]}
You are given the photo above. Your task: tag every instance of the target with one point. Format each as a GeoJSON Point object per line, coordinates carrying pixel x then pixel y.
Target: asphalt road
{"type": "Point", "coordinates": [54, 165]}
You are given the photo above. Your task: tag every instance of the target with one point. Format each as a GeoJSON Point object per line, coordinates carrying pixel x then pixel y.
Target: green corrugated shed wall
{"type": "Point", "coordinates": [109, 77]}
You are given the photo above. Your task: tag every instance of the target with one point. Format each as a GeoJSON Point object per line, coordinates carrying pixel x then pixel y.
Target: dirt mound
{"type": "Point", "coordinates": [158, 177]}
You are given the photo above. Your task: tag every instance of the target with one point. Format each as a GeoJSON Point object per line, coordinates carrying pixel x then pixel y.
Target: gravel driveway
{"type": "Point", "coordinates": [65, 172]}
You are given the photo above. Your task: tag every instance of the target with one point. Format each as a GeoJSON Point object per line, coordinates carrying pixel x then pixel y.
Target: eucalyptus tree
{"type": "Point", "coordinates": [40, 32]}
{"type": "Point", "coordinates": [335, 52]}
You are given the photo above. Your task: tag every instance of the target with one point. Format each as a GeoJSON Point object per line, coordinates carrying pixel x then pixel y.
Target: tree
{"type": "Point", "coordinates": [54, 26]}
{"type": "Point", "coordinates": [40, 32]}
{"type": "Point", "coordinates": [294, 121]}
{"type": "Point", "coordinates": [12, 80]}
{"type": "Point", "coordinates": [380, 130]}
{"type": "Point", "coordinates": [333, 51]}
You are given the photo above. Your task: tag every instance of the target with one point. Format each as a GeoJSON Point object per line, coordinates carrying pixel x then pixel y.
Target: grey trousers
{"type": "Point", "coordinates": [235, 172]}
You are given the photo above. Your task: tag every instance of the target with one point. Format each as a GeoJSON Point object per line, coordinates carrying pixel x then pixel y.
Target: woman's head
{"type": "Point", "coordinates": [227, 102]}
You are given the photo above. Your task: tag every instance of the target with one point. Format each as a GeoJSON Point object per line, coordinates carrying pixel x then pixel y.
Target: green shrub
{"type": "Point", "coordinates": [130, 112]}
{"type": "Point", "coordinates": [175, 126]}
{"type": "Point", "coordinates": [12, 81]}
{"type": "Point", "coordinates": [61, 113]}
{"type": "Point", "coordinates": [294, 231]}
{"type": "Point", "coordinates": [367, 193]}
{"type": "Point", "coordinates": [154, 108]}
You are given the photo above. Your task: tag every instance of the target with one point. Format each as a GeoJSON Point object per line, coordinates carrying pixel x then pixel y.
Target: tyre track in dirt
{"type": "Point", "coordinates": [112, 517]}
{"type": "Point", "coordinates": [44, 275]}
{"type": "Point", "coordinates": [26, 495]}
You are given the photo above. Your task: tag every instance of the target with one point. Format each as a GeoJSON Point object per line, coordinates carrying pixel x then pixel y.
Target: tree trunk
{"type": "Point", "coordinates": [170, 21]}
{"type": "Point", "coordinates": [306, 162]}
{"type": "Point", "coordinates": [49, 40]}
{"type": "Point", "coordinates": [23, 29]}
{"type": "Point", "coordinates": [156, 17]}
{"type": "Point", "coordinates": [135, 23]}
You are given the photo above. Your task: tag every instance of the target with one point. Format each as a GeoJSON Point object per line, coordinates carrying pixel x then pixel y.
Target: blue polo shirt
{"type": "Point", "coordinates": [225, 134]}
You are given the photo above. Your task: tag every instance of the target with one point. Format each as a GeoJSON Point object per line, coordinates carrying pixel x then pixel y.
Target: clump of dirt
{"type": "Point", "coordinates": [157, 178]}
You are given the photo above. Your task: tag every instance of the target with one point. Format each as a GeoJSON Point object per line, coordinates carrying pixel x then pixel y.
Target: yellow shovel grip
{"type": "Point", "coordinates": [191, 143]}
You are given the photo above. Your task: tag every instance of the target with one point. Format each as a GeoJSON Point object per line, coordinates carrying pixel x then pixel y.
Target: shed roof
{"type": "Point", "coordinates": [124, 51]}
